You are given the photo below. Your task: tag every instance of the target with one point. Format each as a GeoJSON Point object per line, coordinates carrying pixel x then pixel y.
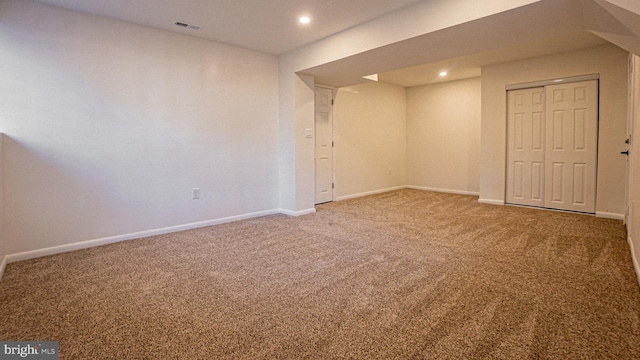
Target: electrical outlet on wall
{"type": "Point", "coordinates": [196, 193]}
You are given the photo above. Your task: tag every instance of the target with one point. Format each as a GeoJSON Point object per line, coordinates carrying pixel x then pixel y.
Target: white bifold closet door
{"type": "Point", "coordinates": [526, 147]}
{"type": "Point", "coordinates": [552, 146]}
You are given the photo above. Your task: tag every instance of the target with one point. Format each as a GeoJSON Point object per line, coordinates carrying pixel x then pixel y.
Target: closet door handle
{"type": "Point", "coordinates": [625, 153]}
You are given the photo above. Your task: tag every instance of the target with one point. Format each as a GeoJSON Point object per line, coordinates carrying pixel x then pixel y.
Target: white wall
{"type": "Point", "coordinates": [304, 110]}
{"type": "Point", "coordinates": [370, 139]}
{"type": "Point", "coordinates": [443, 136]}
{"type": "Point", "coordinates": [389, 137]}
{"type": "Point", "coordinates": [110, 125]}
{"type": "Point", "coordinates": [607, 60]}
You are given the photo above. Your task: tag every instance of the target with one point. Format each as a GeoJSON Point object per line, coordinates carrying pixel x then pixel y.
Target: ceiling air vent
{"type": "Point", "coordinates": [188, 26]}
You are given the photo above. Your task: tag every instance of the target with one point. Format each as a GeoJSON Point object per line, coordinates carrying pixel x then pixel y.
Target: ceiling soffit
{"type": "Point", "coordinates": [529, 24]}
{"type": "Point", "coordinates": [618, 25]}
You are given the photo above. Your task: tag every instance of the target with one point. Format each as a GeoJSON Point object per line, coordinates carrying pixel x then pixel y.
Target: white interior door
{"type": "Point", "coordinates": [552, 140]}
{"type": "Point", "coordinates": [526, 147]}
{"type": "Point", "coordinates": [324, 145]}
{"type": "Point", "coordinates": [572, 141]}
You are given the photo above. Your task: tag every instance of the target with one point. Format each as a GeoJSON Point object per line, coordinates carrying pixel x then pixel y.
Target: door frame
{"type": "Point", "coordinates": [630, 123]}
{"type": "Point", "coordinates": [570, 79]}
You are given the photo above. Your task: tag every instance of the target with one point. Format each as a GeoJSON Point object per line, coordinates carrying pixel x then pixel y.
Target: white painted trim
{"type": "Point", "coordinates": [374, 192]}
{"type": "Point", "coordinates": [550, 209]}
{"type": "Point", "coordinates": [608, 215]}
{"type": "Point", "coordinates": [448, 191]}
{"type": "Point", "coordinates": [636, 264]}
{"type": "Point", "coordinates": [3, 266]}
{"type": "Point", "coordinates": [491, 201]}
{"type": "Point", "coordinates": [297, 213]}
{"type": "Point", "coordinates": [541, 83]}
{"type": "Point", "coordinates": [137, 235]}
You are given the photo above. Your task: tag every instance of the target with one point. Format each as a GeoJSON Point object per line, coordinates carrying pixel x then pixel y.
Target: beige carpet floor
{"type": "Point", "coordinates": [405, 274]}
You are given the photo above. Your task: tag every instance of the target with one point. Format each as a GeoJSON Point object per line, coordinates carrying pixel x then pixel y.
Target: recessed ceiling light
{"type": "Point", "coordinates": [304, 19]}
{"type": "Point", "coordinates": [443, 73]}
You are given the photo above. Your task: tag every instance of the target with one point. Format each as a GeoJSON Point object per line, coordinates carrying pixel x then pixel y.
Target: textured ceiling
{"type": "Point", "coordinates": [470, 65]}
{"type": "Point", "coordinates": [545, 27]}
{"type": "Point", "coordinates": [269, 26]}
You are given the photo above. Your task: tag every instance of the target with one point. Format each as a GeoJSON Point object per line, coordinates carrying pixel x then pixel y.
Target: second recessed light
{"type": "Point", "coordinates": [304, 19]}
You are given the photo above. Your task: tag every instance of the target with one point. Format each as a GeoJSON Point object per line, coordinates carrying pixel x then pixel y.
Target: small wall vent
{"type": "Point", "coordinates": [188, 26]}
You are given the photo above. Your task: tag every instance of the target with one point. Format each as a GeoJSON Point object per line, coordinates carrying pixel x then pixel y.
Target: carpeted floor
{"type": "Point", "coordinates": [405, 274]}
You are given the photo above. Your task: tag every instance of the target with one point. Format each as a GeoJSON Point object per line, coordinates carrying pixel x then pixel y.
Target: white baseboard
{"type": "Point", "coordinates": [297, 213]}
{"type": "Point", "coordinates": [3, 265]}
{"type": "Point", "coordinates": [607, 215]}
{"type": "Point", "coordinates": [374, 192]}
{"type": "Point", "coordinates": [380, 191]}
{"type": "Point", "coordinates": [448, 191]}
{"type": "Point", "coordinates": [491, 201]}
{"type": "Point", "coordinates": [634, 259]}
{"type": "Point", "coordinates": [137, 235]}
